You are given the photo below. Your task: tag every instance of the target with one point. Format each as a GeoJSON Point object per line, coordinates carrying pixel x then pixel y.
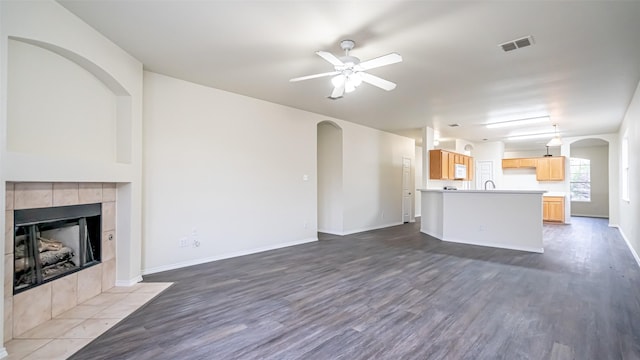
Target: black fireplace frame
{"type": "Point", "coordinates": [30, 219]}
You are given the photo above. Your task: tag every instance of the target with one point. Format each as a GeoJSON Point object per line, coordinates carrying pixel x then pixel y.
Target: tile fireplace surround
{"type": "Point", "coordinates": [36, 306]}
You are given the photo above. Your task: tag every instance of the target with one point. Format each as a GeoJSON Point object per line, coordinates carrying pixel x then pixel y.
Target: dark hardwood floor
{"type": "Point", "coordinates": [396, 294]}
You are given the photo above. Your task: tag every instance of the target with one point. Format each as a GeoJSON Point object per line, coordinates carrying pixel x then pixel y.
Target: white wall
{"type": "Point", "coordinates": [330, 195]}
{"type": "Point", "coordinates": [629, 215]}
{"type": "Point", "coordinates": [418, 181]}
{"type": "Point", "coordinates": [555, 151]}
{"type": "Point", "coordinates": [599, 160]}
{"type": "Point", "coordinates": [373, 177]}
{"type": "Point", "coordinates": [232, 167]}
{"type": "Point", "coordinates": [46, 38]}
{"type": "Point", "coordinates": [227, 166]}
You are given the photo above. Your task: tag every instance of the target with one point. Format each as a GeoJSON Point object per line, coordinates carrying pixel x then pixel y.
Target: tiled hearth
{"type": "Point", "coordinates": [68, 332]}
{"type": "Point", "coordinates": [28, 310]}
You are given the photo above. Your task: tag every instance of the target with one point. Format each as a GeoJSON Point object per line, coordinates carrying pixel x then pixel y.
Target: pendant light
{"type": "Point", "coordinates": [556, 141]}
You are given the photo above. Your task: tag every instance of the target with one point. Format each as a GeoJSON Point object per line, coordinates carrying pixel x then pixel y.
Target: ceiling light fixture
{"type": "Point", "coordinates": [529, 136]}
{"type": "Point", "coordinates": [555, 141]}
{"type": "Point", "coordinates": [349, 81]}
{"type": "Point", "coordinates": [520, 122]}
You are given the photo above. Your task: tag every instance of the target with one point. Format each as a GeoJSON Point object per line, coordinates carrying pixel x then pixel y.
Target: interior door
{"type": "Point", "coordinates": [406, 190]}
{"type": "Point", "coordinates": [484, 172]}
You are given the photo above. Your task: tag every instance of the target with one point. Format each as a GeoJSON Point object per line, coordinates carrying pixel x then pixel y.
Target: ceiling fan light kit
{"type": "Point", "coordinates": [349, 72]}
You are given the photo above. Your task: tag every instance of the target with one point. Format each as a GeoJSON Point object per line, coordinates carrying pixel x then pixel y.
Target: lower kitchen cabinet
{"type": "Point", "coordinates": [553, 208]}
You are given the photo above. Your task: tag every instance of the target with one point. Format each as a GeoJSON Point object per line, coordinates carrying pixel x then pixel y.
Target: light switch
{"type": "Point", "coordinates": [305, 177]}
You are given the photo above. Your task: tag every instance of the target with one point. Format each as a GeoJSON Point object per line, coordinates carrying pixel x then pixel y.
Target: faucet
{"type": "Point", "coordinates": [492, 183]}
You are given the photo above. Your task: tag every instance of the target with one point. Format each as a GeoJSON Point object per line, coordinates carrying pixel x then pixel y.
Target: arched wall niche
{"type": "Point", "coordinates": [61, 105]}
{"type": "Point", "coordinates": [81, 61]}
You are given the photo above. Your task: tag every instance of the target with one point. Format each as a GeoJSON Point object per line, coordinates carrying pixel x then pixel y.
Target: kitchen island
{"type": "Point", "coordinates": [510, 219]}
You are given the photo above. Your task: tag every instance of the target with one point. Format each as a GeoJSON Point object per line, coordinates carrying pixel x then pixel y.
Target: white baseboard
{"type": "Point", "coordinates": [224, 256]}
{"type": "Point", "coordinates": [499, 246]}
{"type": "Point", "coordinates": [129, 282]}
{"type": "Point", "coordinates": [376, 227]}
{"type": "Point", "coordinates": [360, 230]}
{"type": "Point", "coordinates": [3, 353]}
{"type": "Point", "coordinates": [591, 215]}
{"type": "Point", "coordinates": [330, 232]}
{"type": "Point", "coordinates": [633, 252]}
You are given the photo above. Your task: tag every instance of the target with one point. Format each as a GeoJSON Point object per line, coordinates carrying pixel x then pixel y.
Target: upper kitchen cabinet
{"type": "Point", "coordinates": [549, 168]}
{"type": "Point", "coordinates": [438, 164]}
{"type": "Point", "coordinates": [519, 163]}
{"type": "Point", "coordinates": [510, 163]}
{"type": "Point", "coordinates": [442, 165]}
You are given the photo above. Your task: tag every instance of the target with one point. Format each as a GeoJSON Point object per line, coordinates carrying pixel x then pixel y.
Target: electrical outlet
{"type": "Point", "coordinates": [382, 215]}
{"type": "Point", "coordinates": [306, 225]}
{"type": "Point", "coordinates": [196, 243]}
{"type": "Point", "coordinates": [183, 242]}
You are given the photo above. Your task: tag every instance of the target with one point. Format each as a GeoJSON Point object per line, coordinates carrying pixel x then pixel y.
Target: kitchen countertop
{"type": "Point", "coordinates": [489, 191]}
{"type": "Point", "coordinates": [555, 193]}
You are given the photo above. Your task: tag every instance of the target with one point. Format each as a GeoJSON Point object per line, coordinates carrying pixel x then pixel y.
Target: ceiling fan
{"type": "Point", "coordinates": [349, 72]}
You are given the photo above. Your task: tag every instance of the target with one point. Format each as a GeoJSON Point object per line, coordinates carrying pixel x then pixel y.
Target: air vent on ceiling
{"type": "Point", "coordinates": [454, 125]}
{"type": "Point", "coordinates": [517, 44]}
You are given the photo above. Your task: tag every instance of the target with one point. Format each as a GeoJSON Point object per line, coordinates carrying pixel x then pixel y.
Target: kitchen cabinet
{"type": "Point", "coordinates": [553, 208]}
{"type": "Point", "coordinates": [549, 168]}
{"type": "Point", "coordinates": [510, 163]}
{"type": "Point", "coordinates": [442, 165]}
{"type": "Point", "coordinates": [470, 168]}
{"type": "Point", "coordinates": [519, 163]}
{"type": "Point", "coordinates": [528, 162]}
{"type": "Point", "coordinates": [438, 164]}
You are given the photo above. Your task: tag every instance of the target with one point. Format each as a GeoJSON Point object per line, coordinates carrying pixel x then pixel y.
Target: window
{"type": "Point", "coordinates": [580, 179]}
{"type": "Point", "coordinates": [625, 167]}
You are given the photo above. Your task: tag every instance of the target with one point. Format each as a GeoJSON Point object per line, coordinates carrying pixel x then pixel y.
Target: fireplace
{"type": "Point", "coordinates": [50, 243]}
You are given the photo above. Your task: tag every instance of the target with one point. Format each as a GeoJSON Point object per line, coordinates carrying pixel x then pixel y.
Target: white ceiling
{"type": "Point", "coordinates": [582, 69]}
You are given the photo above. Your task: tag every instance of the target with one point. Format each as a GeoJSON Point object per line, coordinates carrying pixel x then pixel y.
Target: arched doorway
{"type": "Point", "coordinates": [589, 178]}
{"type": "Point", "coordinates": [330, 196]}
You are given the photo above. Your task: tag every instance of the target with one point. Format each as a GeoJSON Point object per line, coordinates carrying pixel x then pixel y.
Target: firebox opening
{"type": "Point", "coordinates": [54, 242]}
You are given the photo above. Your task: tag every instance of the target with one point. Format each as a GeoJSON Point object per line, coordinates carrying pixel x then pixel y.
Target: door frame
{"type": "Point", "coordinates": [410, 190]}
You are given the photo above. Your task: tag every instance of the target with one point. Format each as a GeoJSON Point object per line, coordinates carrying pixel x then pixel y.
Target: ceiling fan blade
{"type": "Point", "coordinates": [337, 92]}
{"type": "Point", "coordinates": [376, 81]}
{"type": "Point", "coordinates": [381, 61]}
{"type": "Point", "coordinates": [314, 76]}
{"type": "Point", "coordinates": [330, 58]}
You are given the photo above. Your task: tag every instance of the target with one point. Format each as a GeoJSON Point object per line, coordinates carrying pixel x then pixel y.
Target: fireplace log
{"type": "Point", "coordinates": [45, 244]}
{"type": "Point", "coordinates": [19, 264]}
{"type": "Point", "coordinates": [47, 258]}
{"type": "Point", "coordinates": [52, 257]}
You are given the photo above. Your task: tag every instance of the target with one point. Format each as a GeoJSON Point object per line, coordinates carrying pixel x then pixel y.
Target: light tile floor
{"type": "Point", "coordinates": [68, 332]}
